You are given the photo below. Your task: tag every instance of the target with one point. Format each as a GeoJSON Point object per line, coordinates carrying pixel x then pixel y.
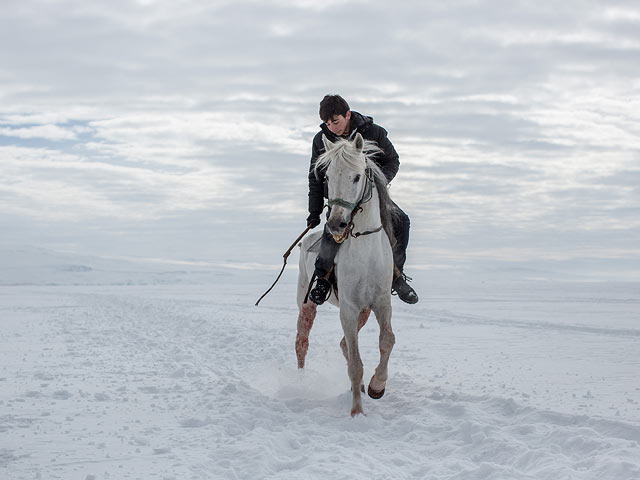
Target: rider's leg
{"type": "Point", "coordinates": [323, 266]}
{"type": "Point", "coordinates": [401, 225]}
{"type": "Point", "coordinates": [327, 254]}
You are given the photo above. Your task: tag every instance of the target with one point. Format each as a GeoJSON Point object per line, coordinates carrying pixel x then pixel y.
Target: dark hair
{"type": "Point", "coordinates": [333, 105]}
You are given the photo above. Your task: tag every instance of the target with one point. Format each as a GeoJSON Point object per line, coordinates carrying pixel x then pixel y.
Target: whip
{"type": "Point", "coordinates": [286, 254]}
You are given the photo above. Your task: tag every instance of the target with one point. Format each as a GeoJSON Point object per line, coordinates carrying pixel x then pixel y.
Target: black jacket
{"type": "Point", "coordinates": [388, 160]}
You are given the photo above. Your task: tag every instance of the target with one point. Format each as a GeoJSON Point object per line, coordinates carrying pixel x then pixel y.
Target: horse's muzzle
{"type": "Point", "coordinates": [341, 238]}
{"type": "Point", "coordinates": [338, 225]}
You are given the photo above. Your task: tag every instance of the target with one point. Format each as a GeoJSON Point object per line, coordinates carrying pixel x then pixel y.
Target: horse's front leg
{"type": "Point", "coordinates": [362, 320]}
{"type": "Point", "coordinates": [349, 320]}
{"type": "Point", "coordinates": [305, 322]}
{"type": "Point", "coordinates": [387, 340]}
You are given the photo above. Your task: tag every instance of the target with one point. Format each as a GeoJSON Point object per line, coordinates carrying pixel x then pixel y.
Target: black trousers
{"type": "Point", "coordinates": [329, 247]}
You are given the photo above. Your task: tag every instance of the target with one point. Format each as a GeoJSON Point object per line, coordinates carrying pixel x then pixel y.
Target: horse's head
{"type": "Point", "coordinates": [346, 180]}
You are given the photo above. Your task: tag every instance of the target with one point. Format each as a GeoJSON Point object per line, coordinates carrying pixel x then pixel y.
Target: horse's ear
{"type": "Point", "coordinates": [326, 142]}
{"type": "Point", "coordinates": [359, 142]}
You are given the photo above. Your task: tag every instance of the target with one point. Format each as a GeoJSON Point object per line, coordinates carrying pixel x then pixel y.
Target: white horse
{"type": "Point", "coordinates": [360, 219]}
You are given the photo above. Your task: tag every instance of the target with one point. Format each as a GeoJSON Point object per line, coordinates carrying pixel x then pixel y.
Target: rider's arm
{"type": "Point", "coordinates": [316, 183]}
{"type": "Point", "coordinates": [389, 162]}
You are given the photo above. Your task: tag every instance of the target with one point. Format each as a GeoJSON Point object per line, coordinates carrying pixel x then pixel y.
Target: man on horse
{"type": "Point", "coordinates": [340, 122]}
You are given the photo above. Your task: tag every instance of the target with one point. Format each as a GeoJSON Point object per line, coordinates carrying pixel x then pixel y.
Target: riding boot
{"type": "Point", "coordinates": [320, 293]}
{"type": "Point", "coordinates": [402, 288]}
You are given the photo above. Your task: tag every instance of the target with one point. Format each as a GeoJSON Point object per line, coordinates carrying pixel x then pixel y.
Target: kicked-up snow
{"type": "Point", "coordinates": [526, 380]}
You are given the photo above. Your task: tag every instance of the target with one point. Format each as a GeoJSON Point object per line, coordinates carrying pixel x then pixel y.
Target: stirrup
{"type": "Point", "coordinates": [321, 292]}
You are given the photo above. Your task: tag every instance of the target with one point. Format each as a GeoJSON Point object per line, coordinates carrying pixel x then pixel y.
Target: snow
{"type": "Point", "coordinates": [115, 370]}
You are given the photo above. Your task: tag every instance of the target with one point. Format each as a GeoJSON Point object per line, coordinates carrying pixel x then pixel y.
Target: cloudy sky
{"type": "Point", "coordinates": [181, 129]}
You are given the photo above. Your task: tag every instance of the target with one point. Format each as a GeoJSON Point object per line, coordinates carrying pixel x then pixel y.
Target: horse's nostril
{"type": "Point", "coordinates": [343, 225]}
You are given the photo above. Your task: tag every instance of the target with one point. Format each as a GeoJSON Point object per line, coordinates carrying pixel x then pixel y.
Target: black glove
{"type": "Point", "coordinates": [313, 220]}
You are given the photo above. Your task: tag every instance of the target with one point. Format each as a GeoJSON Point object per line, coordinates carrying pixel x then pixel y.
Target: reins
{"type": "Point", "coordinates": [366, 196]}
{"type": "Point", "coordinates": [359, 234]}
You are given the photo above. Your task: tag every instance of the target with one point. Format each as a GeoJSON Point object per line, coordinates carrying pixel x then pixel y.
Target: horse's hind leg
{"type": "Point", "coordinates": [387, 340]}
{"type": "Point", "coordinates": [305, 322]}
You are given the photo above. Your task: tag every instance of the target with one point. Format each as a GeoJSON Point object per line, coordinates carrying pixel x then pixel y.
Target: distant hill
{"type": "Point", "coordinates": [28, 265]}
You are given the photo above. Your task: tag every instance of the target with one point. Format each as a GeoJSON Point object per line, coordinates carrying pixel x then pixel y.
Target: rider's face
{"type": "Point", "coordinates": [339, 124]}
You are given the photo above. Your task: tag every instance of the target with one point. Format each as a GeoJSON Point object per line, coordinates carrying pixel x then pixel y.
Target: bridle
{"type": "Point", "coordinates": [366, 195]}
{"type": "Point", "coordinates": [356, 207]}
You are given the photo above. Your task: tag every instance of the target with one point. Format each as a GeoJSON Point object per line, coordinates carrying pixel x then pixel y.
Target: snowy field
{"type": "Point", "coordinates": [105, 377]}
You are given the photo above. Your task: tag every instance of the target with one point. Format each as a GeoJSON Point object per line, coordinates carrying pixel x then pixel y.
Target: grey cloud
{"type": "Point", "coordinates": [198, 117]}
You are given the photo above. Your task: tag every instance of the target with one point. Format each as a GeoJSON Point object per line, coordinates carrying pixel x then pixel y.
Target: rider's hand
{"type": "Point", "coordinates": [313, 220]}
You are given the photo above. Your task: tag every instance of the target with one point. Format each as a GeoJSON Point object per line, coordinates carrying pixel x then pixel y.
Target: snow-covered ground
{"type": "Point", "coordinates": [113, 373]}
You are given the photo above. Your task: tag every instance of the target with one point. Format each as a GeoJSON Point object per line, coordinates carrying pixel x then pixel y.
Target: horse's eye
{"type": "Point", "coordinates": [356, 179]}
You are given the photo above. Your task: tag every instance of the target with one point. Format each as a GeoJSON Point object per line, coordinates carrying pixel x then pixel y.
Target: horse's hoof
{"type": "Point", "coordinates": [374, 394]}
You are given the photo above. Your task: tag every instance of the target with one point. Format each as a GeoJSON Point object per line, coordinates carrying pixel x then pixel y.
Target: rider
{"type": "Point", "coordinates": [340, 122]}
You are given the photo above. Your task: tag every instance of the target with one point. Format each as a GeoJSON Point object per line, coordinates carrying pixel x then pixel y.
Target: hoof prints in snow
{"type": "Point", "coordinates": [195, 382]}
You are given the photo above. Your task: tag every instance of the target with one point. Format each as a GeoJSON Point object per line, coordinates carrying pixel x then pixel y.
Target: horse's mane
{"type": "Point", "coordinates": [341, 151]}
{"type": "Point", "coordinates": [388, 209]}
